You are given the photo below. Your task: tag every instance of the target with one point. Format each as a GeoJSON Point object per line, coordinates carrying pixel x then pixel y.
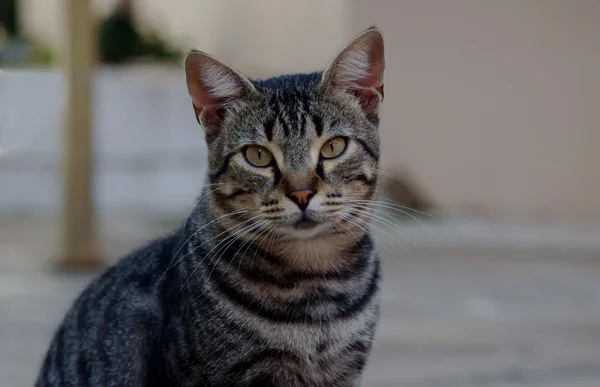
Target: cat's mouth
{"type": "Point", "coordinates": [305, 224]}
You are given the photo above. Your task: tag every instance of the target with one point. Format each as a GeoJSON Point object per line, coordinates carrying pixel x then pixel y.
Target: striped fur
{"type": "Point", "coordinates": [240, 295]}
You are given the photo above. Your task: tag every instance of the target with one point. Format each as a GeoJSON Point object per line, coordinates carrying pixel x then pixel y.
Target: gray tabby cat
{"type": "Point", "coordinates": [273, 279]}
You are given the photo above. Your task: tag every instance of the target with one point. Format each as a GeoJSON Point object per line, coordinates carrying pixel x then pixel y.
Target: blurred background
{"type": "Point", "coordinates": [490, 133]}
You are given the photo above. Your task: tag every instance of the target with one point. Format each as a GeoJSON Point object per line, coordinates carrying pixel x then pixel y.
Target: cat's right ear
{"type": "Point", "coordinates": [213, 86]}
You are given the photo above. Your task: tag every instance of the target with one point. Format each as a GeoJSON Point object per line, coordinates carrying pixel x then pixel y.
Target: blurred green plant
{"type": "Point", "coordinates": [19, 51]}
{"type": "Point", "coordinates": [41, 53]}
{"type": "Point", "coordinates": [8, 17]}
{"type": "Point", "coordinates": [120, 41]}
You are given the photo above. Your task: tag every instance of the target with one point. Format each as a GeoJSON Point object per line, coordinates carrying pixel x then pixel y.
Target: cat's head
{"type": "Point", "coordinates": [297, 155]}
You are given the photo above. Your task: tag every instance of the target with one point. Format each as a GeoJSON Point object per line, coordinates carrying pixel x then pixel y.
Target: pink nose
{"type": "Point", "coordinates": [301, 197]}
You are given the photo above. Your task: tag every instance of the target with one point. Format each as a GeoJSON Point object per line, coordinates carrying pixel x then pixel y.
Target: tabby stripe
{"type": "Point", "coordinates": [83, 370]}
{"type": "Point", "coordinates": [367, 149]}
{"type": "Point", "coordinates": [224, 166]}
{"type": "Point", "coordinates": [246, 302]}
{"type": "Point", "coordinates": [293, 313]}
{"type": "Point", "coordinates": [360, 304]}
{"type": "Point", "coordinates": [211, 305]}
{"type": "Point", "coordinates": [276, 175]}
{"type": "Point", "coordinates": [320, 170]}
{"type": "Point", "coordinates": [302, 124]}
{"type": "Point", "coordinates": [236, 193]}
{"type": "Point", "coordinates": [285, 126]}
{"type": "Point", "coordinates": [269, 129]}
{"type": "Point", "coordinates": [291, 279]}
{"type": "Point", "coordinates": [318, 125]}
{"type": "Point", "coordinates": [312, 300]}
{"type": "Point", "coordinates": [241, 367]}
{"type": "Point", "coordinates": [262, 381]}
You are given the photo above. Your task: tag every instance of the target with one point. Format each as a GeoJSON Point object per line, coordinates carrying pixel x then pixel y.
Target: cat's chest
{"type": "Point", "coordinates": [312, 340]}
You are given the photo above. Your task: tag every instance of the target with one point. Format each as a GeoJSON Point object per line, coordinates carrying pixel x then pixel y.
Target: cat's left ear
{"type": "Point", "coordinates": [358, 70]}
{"type": "Point", "coordinates": [213, 87]}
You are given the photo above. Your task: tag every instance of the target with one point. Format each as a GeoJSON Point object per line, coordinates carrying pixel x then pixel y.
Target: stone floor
{"type": "Point", "coordinates": [452, 317]}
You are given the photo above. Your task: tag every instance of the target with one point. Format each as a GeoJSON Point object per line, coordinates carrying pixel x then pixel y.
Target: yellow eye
{"type": "Point", "coordinates": [333, 148]}
{"type": "Point", "coordinates": [258, 156]}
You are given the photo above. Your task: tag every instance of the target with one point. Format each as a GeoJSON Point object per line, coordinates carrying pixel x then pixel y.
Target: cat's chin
{"type": "Point", "coordinates": [304, 229]}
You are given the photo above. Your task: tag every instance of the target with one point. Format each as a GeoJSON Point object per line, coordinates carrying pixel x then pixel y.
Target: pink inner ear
{"type": "Point", "coordinates": [201, 96]}
{"type": "Point", "coordinates": [359, 70]}
{"type": "Point", "coordinates": [369, 100]}
{"type": "Point", "coordinates": [373, 79]}
{"type": "Point", "coordinates": [206, 106]}
{"type": "Point", "coordinates": [369, 88]}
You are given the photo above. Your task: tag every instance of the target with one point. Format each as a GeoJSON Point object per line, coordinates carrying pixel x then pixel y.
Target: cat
{"type": "Point", "coordinates": [273, 279]}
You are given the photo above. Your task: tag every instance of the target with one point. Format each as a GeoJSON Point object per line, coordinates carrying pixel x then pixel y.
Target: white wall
{"type": "Point", "coordinates": [150, 151]}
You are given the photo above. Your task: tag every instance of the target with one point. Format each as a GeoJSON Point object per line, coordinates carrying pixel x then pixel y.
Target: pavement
{"type": "Point", "coordinates": [490, 314]}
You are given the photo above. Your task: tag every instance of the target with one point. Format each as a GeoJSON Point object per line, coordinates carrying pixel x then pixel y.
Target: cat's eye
{"type": "Point", "coordinates": [333, 148]}
{"type": "Point", "coordinates": [258, 156]}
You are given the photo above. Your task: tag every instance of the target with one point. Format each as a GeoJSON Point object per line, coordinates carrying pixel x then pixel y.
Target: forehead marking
{"type": "Point", "coordinates": [269, 128]}
{"type": "Point", "coordinates": [318, 125]}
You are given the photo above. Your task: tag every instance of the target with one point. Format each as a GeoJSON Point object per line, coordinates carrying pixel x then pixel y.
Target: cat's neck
{"type": "Point", "coordinates": [317, 254]}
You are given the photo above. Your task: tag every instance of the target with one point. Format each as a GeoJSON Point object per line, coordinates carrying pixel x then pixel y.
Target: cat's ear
{"type": "Point", "coordinates": [213, 86]}
{"type": "Point", "coordinates": [358, 70]}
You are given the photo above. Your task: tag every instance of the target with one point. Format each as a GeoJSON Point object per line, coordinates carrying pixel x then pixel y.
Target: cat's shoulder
{"type": "Point", "coordinates": [137, 272]}
{"type": "Point", "coordinates": [148, 262]}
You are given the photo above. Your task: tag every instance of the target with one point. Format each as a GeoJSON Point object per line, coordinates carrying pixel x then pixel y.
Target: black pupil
{"type": "Point", "coordinates": [331, 145]}
{"type": "Point", "coordinates": [259, 151]}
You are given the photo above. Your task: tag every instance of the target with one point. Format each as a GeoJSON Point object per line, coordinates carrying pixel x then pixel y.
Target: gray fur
{"type": "Point", "coordinates": [241, 295]}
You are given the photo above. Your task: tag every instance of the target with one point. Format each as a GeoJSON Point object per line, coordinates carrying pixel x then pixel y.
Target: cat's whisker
{"type": "Point", "coordinates": [385, 200]}
{"type": "Point", "coordinates": [214, 262]}
{"type": "Point", "coordinates": [350, 219]}
{"type": "Point", "coordinates": [198, 201]}
{"type": "Point", "coordinates": [228, 241]}
{"type": "Point", "coordinates": [386, 205]}
{"type": "Point", "coordinates": [394, 223]}
{"type": "Point", "coordinates": [393, 176]}
{"type": "Point", "coordinates": [377, 237]}
{"type": "Point", "coordinates": [410, 209]}
{"type": "Point", "coordinates": [261, 232]}
{"type": "Point", "coordinates": [248, 242]}
{"type": "Point", "coordinates": [262, 241]}
{"type": "Point", "coordinates": [225, 240]}
{"type": "Point", "coordinates": [171, 264]}
{"type": "Point", "coordinates": [214, 237]}
{"type": "Point", "coordinates": [384, 233]}
{"type": "Point", "coordinates": [345, 229]}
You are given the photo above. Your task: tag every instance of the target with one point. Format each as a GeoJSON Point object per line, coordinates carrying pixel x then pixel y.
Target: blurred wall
{"type": "Point", "coordinates": [494, 104]}
{"type": "Point", "coordinates": [259, 37]}
{"type": "Point", "coordinates": [490, 105]}
{"type": "Point", "coordinates": [149, 153]}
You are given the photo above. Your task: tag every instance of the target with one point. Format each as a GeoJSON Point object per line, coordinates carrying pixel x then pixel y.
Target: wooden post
{"type": "Point", "coordinates": [78, 242]}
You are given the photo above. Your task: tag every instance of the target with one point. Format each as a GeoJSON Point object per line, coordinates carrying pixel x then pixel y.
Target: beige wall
{"type": "Point", "coordinates": [259, 36]}
{"type": "Point", "coordinates": [489, 104]}
{"type": "Point", "coordinates": [494, 104]}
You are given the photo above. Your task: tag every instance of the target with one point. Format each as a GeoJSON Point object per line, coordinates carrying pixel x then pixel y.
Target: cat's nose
{"type": "Point", "coordinates": [301, 197]}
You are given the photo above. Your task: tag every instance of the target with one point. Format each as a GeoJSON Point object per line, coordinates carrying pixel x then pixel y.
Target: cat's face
{"type": "Point", "coordinates": [294, 156]}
